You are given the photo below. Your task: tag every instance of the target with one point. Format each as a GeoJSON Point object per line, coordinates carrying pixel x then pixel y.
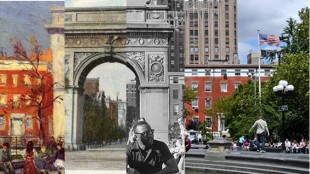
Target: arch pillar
{"type": "Point", "coordinates": [154, 102]}
{"type": "Point", "coordinates": [74, 119]}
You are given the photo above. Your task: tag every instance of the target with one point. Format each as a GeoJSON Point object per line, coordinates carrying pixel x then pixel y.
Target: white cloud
{"type": "Point", "coordinates": [267, 16]}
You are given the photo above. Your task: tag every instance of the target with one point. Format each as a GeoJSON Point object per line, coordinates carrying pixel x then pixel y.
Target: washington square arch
{"type": "Point", "coordinates": [137, 37]}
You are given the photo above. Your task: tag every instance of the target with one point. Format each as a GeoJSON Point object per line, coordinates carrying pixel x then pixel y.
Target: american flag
{"type": "Point", "coordinates": [269, 39]}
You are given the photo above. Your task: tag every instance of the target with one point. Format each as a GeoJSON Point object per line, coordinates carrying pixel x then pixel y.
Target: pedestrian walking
{"type": "Point", "coordinates": [261, 131]}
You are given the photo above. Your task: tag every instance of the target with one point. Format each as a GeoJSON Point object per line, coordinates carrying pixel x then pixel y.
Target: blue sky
{"type": "Point", "coordinates": [23, 19]}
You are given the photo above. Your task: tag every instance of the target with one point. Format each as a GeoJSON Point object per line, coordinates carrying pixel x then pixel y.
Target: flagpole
{"type": "Point", "coordinates": [259, 59]}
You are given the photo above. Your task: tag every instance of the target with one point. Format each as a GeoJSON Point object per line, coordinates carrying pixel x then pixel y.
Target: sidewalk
{"type": "Point", "coordinates": [105, 159]}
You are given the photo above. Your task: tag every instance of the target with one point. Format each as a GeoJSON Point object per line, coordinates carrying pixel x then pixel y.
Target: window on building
{"type": "Point", "coordinates": [196, 33]}
{"type": "Point", "coordinates": [208, 103]}
{"type": "Point", "coordinates": [191, 16]}
{"type": "Point", "coordinates": [226, 24]}
{"type": "Point", "coordinates": [227, 49]}
{"type": "Point", "coordinates": [267, 72]}
{"type": "Point", "coordinates": [223, 87]}
{"type": "Point", "coordinates": [237, 72]}
{"type": "Point", "coordinates": [196, 49]}
{"type": "Point", "coordinates": [195, 15]}
{"type": "Point", "coordinates": [195, 120]}
{"type": "Point", "coordinates": [226, 8]}
{"type": "Point", "coordinates": [3, 100]}
{"type": "Point", "coordinates": [206, 32]}
{"type": "Point", "coordinates": [216, 56]}
{"type": "Point", "coordinates": [28, 100]}
{"type": "Point", "coordinates": [227, 57]}
{"type": "Point", "coordinates": [216, 16]}
{"type": "Point", "coordinates": [175, 109]}
{"type": "Point", "coordinates": [196, 24]}
{"type": "Point", "coordinates": [15, 80]}
{"type": "Point", "coordinates": [216, 24]}
{"type": "Point", "coordinates": [175, 93]}
{"type": "Point", "coordinates": [2, 122]}
{"type": "Point", "coordinates": [175, 80]}
{"type": "Point", "coordinates": [191, 32]}
{"type": "Point", "coordinates": [195, 104]}
{"type": "Point", "coordinates": [206, 40]}
{"type": "Point", "coordinates": [216, 49]}
{"type": "Point", "coordinates": [194, 72]}
{"type": "Point", "coordinates": [208, 121]}
{"type": "Point", "coordinates": [206, 24]}
{"type": "Point", "coordinates": [216, 40]}
{"type": "Point", "coordinates": [237, 85]}
{"type": "Point", "coordinates": [195, 86]}
{"type": "Point", "coordinates": [206, 49]}
{"type": "Point", "coordinates": [223, 72]}
{"type": "Point", "coordinates": [3, 79]}
{"type": "Point", "coordinates": [191, 49]}
{"type": "Point", "coordinates": [226, 15]}
{"type": "Point", "coordinates": [207, 72]}
{"type": "Point", "coordinates": [227, 40]}
{"type": "Point", "coordinates": [206, 59]}
{"type": "Point", "coordinates": [227, 32]}
{"type": "Point", "coordinates": [191, 24]}
{"type": "Point", "coordinates": [208, 87]}
{"type": "Point", "coordinates": [206, 15]}
{"type": "Point", "coordinates": [16, 100]}
{"type": "Point", "coordinates": [216, 32]}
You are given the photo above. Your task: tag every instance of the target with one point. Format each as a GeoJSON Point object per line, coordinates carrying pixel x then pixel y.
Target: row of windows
{"type": "Point", "coordinates": [208, 103]}
{"type": "Point", "coordinates": [195, 40]}
{"type": "Point", "coordinates": [237, 72]}
{"type": "Point", "coordinates": [206, 32]}
{"type": "Point", "coordinates": [195, 49]}
{"type": "Point", "coordinates": [194, 16]}
{"type": "Point", "coordinates": [18, 99]}
{"type": "Point", "coordinates": [208, 86]}
{"type": "Point", "coordinates": [216, 24]}
{"type": "Point", "coordinates": [208, 120]}
{"type": "Point", "coordinates": [26, 80]}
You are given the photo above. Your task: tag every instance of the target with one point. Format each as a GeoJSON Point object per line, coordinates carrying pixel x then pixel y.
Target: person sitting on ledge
{"type": "Point", "coordinates": [146, 155]}
{"type": "Point", "coordinates": [288, 147]}
{"type": "Point", "coordinates": [295, 147]}
{"type": "Point", "coordinates": [246, 145]}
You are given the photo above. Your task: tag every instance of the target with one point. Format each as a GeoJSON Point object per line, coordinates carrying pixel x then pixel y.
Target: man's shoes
{"type": "Point", "coordinates": [263, 151]}
{"type": "Point", "coordinates": [257, 150]}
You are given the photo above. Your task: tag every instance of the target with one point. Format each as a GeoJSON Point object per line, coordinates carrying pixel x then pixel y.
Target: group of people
{"type": "Point", "coordinates": [295, 147]}
{"type": "Point", "coordinates": [50, 157]}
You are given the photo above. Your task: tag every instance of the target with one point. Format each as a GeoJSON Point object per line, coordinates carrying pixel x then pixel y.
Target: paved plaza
{"type": "Point", "coordinates": [103, 160]}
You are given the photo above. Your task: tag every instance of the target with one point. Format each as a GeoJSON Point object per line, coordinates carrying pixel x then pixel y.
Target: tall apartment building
{"type": "Point", "coordinates": [176, 44]}
{"type": "Point", "coordinates": [133, 102]}
{"type": "Point", "coordinates": [211, 32]}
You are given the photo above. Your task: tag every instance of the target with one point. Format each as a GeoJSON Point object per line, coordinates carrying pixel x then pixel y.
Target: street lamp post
{"type": "Point", "coordinates": [282, 90]}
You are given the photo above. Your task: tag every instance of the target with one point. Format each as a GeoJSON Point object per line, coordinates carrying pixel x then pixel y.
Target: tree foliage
{"type": "Point", "coordinates": [188, 95]}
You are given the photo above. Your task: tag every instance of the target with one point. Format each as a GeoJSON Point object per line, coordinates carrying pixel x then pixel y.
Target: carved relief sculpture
{"type": "Point", "coordinates": [156, 68]}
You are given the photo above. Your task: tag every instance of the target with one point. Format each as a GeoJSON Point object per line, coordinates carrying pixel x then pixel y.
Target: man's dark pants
{"type": "Point", "coordinates": [261, 138]}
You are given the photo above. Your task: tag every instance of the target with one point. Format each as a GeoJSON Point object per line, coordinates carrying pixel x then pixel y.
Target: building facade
{"type": "Point", "coordinates": [211, 33]}
{"type": "Point", "coordinates": [122, 108]}
{"type": "Point", "coordinates": [176, 44]}
{"type": "Point", "coordinates": [22, 93]}
{"type": "Point", "coordinates": [132, 100]}
{"type": "Point", "coordinates": [215, 82]}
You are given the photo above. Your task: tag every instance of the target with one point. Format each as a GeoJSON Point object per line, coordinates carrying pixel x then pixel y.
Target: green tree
{"type": "Point", "coordinates": [188, 96]}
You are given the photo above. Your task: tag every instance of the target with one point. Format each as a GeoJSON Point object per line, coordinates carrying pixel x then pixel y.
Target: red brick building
{"type": "Point", "coordinates": [215, 82]}
{"type": "Point", "coordinates": [18, 103]}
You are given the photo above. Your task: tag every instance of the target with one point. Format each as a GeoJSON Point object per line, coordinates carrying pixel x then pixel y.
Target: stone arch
{"type": "Point", "coordinates": [92, 61]}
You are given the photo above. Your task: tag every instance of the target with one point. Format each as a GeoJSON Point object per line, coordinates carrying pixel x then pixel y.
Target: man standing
{"type": "Point", "coordinates": [146, 155]}
{"type": "Point", "coordinates": [261, 130]}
